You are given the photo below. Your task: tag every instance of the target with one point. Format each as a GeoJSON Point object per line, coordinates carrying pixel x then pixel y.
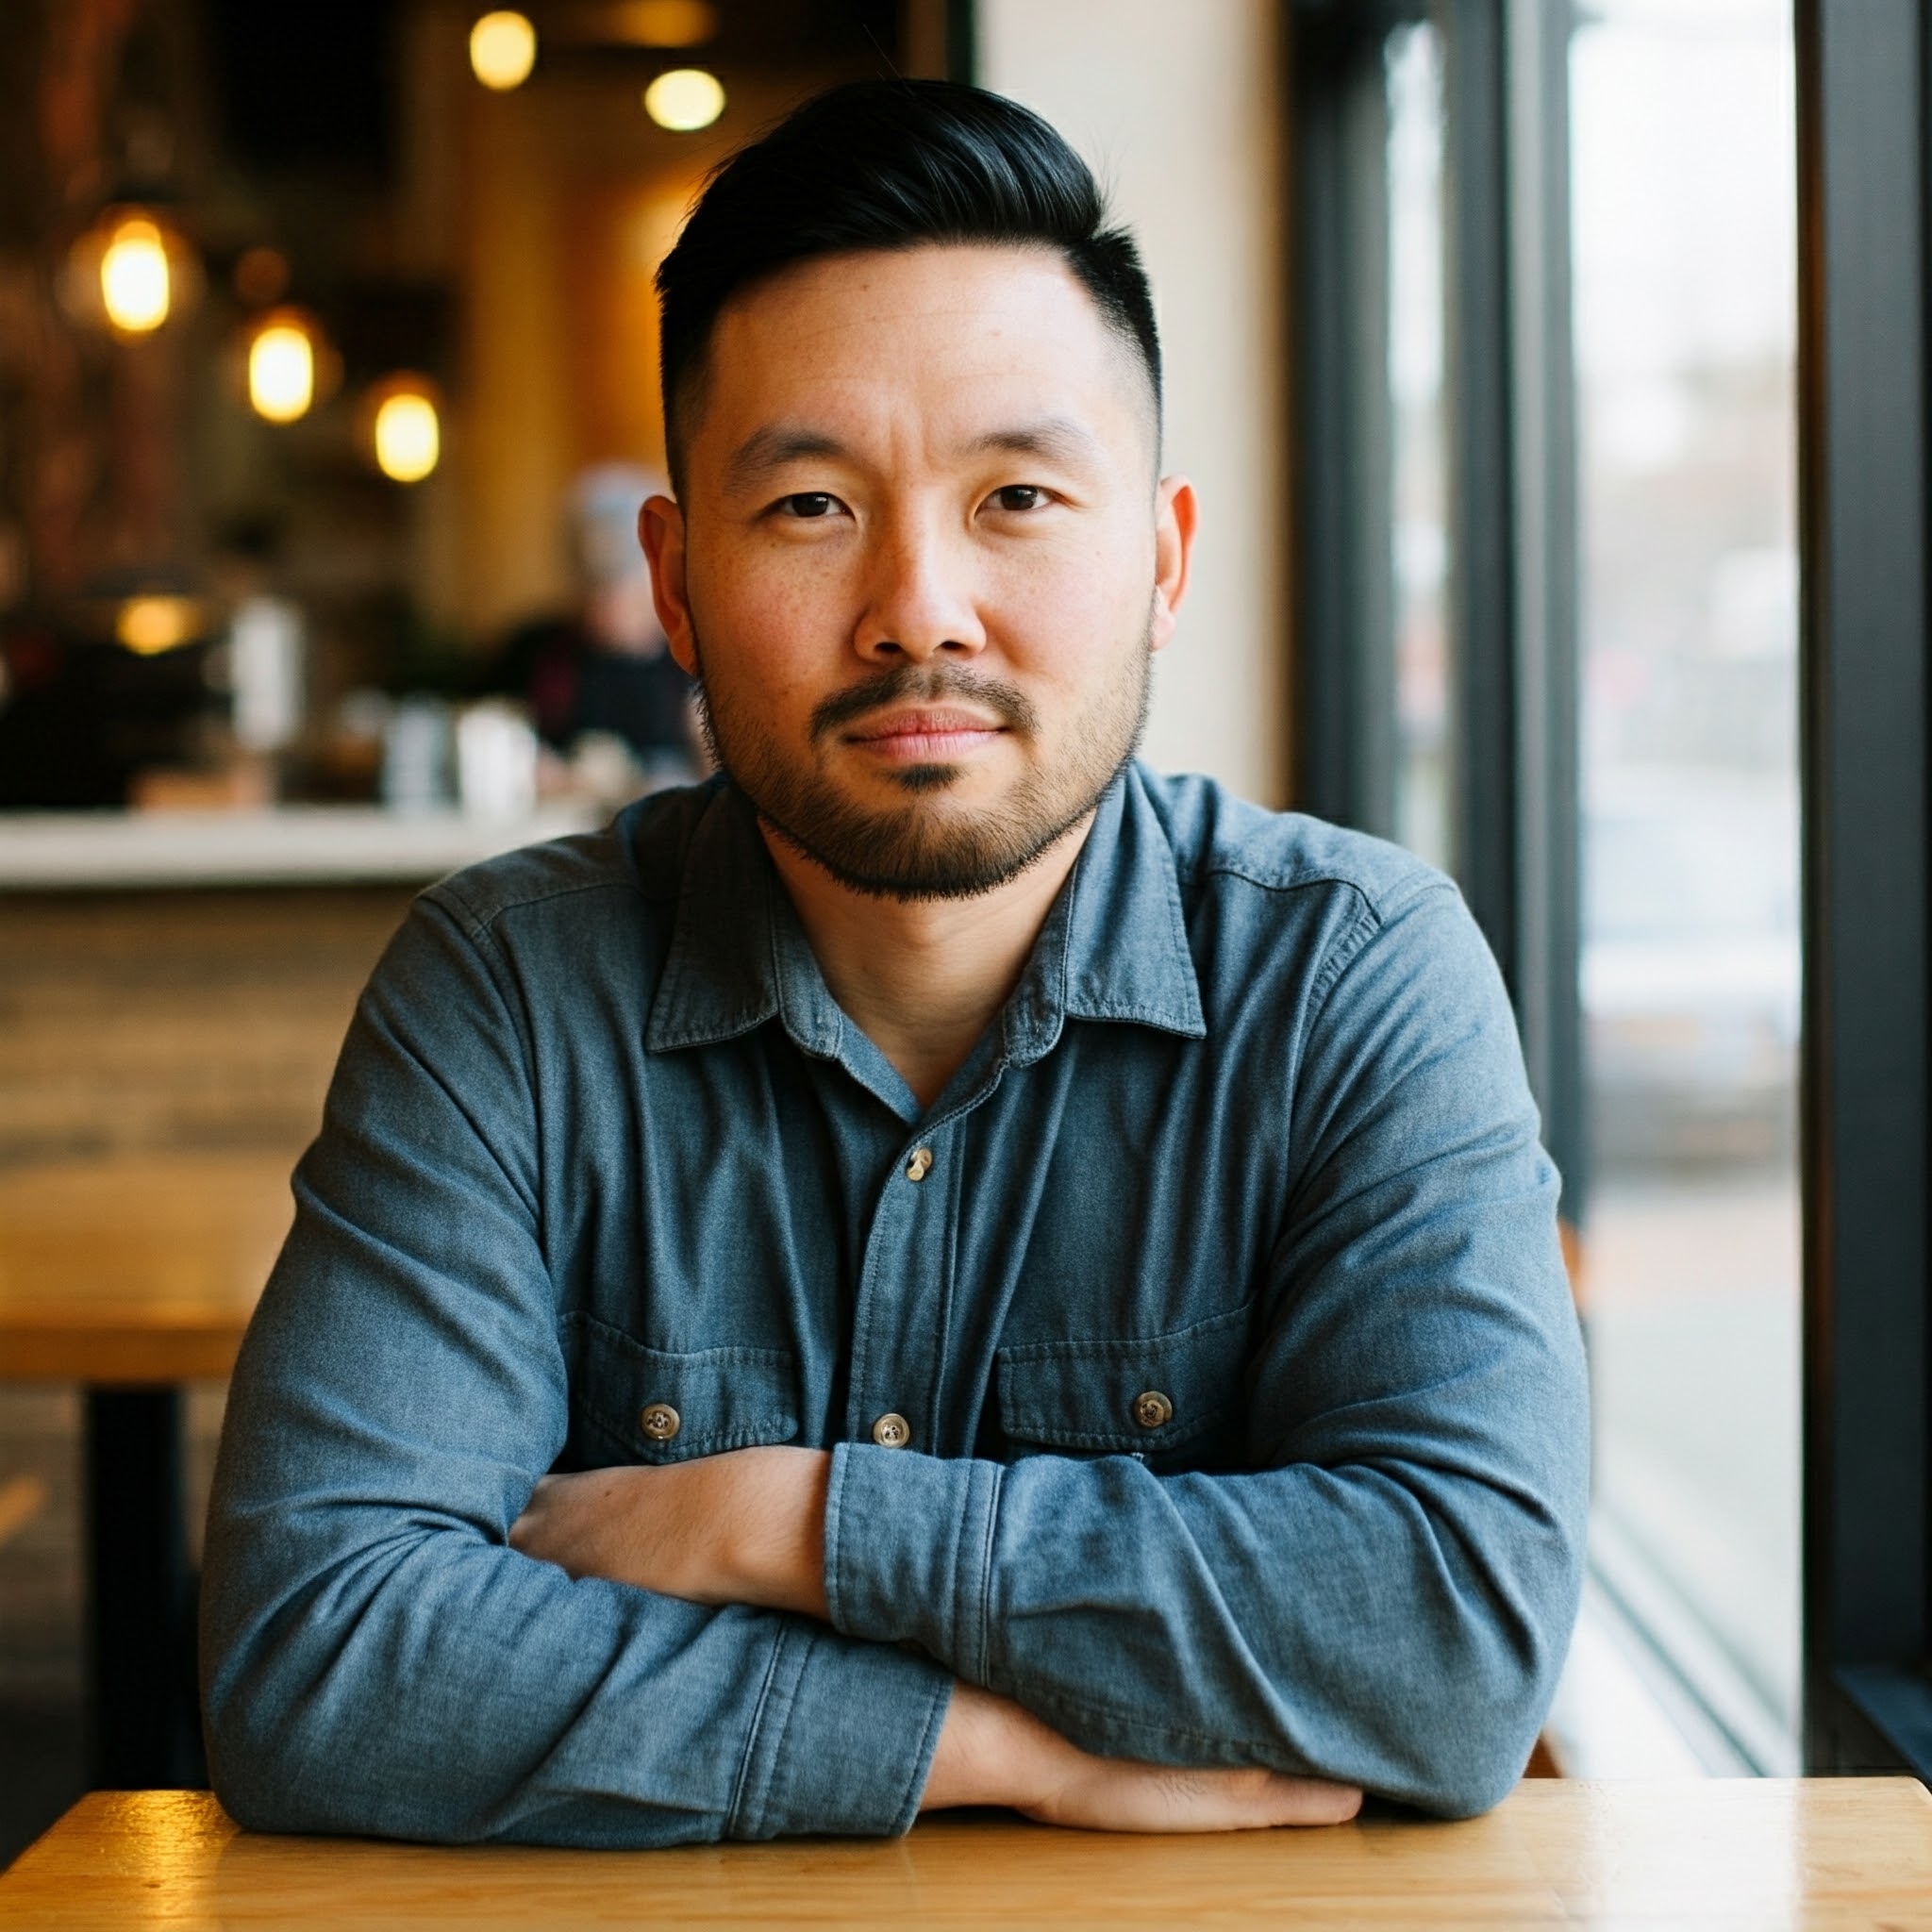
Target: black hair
{"type": "Point", "coordinates": [890, 165]}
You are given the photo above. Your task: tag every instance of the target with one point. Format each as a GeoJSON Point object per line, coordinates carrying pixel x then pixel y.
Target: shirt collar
{"type": "Point", "coordinates": [738, 955]}
{"type": "Point", "coordinates": [1115, 946]}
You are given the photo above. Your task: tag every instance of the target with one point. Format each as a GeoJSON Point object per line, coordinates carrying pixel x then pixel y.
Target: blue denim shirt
{"type": "Point", "coordinates": [1250, 1136]}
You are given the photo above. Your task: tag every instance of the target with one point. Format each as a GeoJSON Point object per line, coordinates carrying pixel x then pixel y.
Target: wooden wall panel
{"type": "Point", "coordinates": [155, 1022]}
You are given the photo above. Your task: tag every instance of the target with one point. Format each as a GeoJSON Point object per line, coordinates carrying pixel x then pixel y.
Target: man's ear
{"type": "Point", "coordinates": [1174, 512]}
{"type": "Point", "coordinates": [660, 530]}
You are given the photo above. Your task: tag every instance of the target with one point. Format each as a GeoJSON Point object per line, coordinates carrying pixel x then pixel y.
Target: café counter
{"type": "Point", "coordinates": [288, 845]}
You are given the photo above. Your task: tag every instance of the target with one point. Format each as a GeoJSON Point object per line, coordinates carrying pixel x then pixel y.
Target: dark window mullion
{"type": "Point", "coordinates": [1343, 431]}
{"type": "Point", "coordinates": [1548, 842]}
{"type": "Point", "coordinates": [1482, 513]}
{"type": "Point", "coordinates": [1512, 515]}
{"type": "Point", "coordinates": [1864, 91]}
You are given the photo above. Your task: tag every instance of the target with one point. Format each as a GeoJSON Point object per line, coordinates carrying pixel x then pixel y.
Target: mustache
{"type": "Point", "coordinates": [930, 684]}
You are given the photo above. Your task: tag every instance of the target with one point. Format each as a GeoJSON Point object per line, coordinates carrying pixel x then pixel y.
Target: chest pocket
{"type": "Point", "coordinates": [646, 1404]}
{"type": "Point", "coordinates": [1173, 1400]}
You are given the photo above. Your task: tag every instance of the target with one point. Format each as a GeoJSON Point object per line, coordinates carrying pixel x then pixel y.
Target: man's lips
{"type": "Point", "coordinates": [924, 733]}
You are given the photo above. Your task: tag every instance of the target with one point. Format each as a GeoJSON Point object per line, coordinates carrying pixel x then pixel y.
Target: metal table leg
{"type": "Point", "coordinates": [146, 1729]}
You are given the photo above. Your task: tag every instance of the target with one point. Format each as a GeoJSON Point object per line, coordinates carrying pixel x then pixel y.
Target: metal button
{"type": "Point", "coordinates": [920, 1165]}
{"type": "Point", "coordinates": [891, 1431]}
{"type": "Point", "coordinates": [660, 1421]}
{"type": "Point", "coordinates": [1152, 1409]}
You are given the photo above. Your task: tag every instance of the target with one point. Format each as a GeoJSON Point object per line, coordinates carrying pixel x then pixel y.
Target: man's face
{"type": "Point", "coordinates": [921, 560]}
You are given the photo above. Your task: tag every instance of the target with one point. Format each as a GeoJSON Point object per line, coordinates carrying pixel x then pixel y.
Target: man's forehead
{"type": "Point", "coordinates": [1036, 362]}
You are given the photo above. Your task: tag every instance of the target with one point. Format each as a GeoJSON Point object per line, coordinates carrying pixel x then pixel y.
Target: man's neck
{"type": "Point", "coordinates": [922, 979]}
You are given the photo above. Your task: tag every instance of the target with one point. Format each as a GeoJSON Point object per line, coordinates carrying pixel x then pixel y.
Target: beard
{"type": "Point", "coordinates": [927, 848]}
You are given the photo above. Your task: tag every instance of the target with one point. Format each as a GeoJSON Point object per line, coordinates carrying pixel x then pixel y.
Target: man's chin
{"type": "Point", "coordinates": [919, 780]}
{"type": "Point", "coordinates": [917, 849]}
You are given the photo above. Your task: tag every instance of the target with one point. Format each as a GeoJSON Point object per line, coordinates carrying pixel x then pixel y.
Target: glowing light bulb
{"type": "Point", "coordinates": [503, 49]}
{"type": "Point", "coordinates": [408, 437]}
{"type": "Point", "coordinates": [148, 626]}
{"type": "Point", "coordinates": [685, 99]}
{"type": "Point", "coordinates": [281, 372]}
{"type": "Point", "coordinates": [134, 277]}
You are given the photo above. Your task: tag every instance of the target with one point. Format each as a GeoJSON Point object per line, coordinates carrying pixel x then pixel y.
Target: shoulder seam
{"type": "Point", "coordinates": [1373, 919]}
{"type": "Point", "coordinates": [1424, 880]}
{"type": "Point", "coordinates": [444, 891]}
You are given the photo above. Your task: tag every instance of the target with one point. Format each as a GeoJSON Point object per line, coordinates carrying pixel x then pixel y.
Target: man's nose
{"type": "Point", "coordinates": [920, 597]}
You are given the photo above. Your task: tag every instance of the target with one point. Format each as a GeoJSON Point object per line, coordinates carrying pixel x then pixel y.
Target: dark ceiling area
{"type": "Point", "coordinates": [305, 84]}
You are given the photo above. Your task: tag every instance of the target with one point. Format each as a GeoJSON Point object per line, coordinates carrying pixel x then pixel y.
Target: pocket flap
{"type": "Point", "coordinates": [1126, 1396]}
{"type": "Point", "coordinates": [656, 1407]}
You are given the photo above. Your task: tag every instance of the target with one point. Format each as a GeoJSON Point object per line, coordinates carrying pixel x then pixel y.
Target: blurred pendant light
{"type": "Point", "coordinates": [281, 367]}
{"type": "Point", "coordinates": [503, 49]}
{"type": "Point", "coordinates": [132, 271]}
{"type": "Point", "coordinates": [135, 285]}
{"type": "Point", "coordinates": [685, 99]}
{"type": "Point", "coordinates": [405, 428]}
{"type": "Point", "coordinates": [153, 623]}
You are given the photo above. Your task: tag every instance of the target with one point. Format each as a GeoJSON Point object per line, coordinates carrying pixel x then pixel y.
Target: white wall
{"type": "Point", "coordinates": [1175, 104]}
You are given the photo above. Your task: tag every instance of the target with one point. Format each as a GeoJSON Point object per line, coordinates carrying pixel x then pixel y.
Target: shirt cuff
{"type": "Point", "coordinates": [908, 1551]}
{"type": "Point", "coordinates": [844, 1740]}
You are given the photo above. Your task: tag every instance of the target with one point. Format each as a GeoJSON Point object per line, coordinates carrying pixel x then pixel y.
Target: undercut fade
{"type": "Point", "coordinates": [891, 165]}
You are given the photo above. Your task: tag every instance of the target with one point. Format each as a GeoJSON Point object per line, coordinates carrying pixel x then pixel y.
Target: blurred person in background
{"type": "Point", "coordinates": [604, 668]}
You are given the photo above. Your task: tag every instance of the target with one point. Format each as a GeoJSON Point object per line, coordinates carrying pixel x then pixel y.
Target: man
{"type": "Point", "coordinates": [1033, 1283]}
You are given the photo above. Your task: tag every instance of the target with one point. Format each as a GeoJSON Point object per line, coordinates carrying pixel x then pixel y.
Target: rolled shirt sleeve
{"type": "Point", "coordinates": [1387, 1596]}
{"type": "Point", "coordinates": [376, 1657]}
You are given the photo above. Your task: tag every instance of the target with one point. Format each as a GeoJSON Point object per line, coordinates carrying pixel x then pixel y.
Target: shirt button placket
{"type": "Point", "coordinates": [900, 1300]}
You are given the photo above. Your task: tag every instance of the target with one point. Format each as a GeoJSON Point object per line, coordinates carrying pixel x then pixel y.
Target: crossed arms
{"type": "Point", "coordinates": [748, 1527]}
{"type": "Point", "coordinates": [796, 1640]}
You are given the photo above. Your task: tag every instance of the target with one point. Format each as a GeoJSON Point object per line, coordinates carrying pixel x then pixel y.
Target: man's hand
{"type": "Point", "coordinates": [992, 1752]}
{"type": "Point", "coordinates": [744, 1527]}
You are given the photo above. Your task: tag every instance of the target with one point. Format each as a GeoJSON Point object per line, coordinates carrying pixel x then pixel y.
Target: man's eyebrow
{"type": "Point", "coordinates": [1054, 439]}
{"type": "Point", "coordinates": [772, 448]}
{"type": "Point", "coordinates": [1057, 438]}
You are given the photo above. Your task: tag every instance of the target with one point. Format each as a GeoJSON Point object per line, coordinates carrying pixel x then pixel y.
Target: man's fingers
{"type": "Point", "coordinates": [1314, 1800]}
{"type": "Point", "coordinates": [1117, 1795]}
{"type": "Point", "coordinates": [1254, 1800]}
{"type": "Point", "coordinates": [536, 1530]}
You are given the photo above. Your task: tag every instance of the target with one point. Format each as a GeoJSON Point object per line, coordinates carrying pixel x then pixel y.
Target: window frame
{"type": "Point", "coordinates": [1864, 88]}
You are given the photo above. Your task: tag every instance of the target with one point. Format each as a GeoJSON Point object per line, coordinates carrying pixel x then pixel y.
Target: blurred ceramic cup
{"type": "Point", "coordinates": [266, 673]}
{"type": "Point", "coordinates": [496, 761]}
{"type": "Point", "coordinates": [416, 756]}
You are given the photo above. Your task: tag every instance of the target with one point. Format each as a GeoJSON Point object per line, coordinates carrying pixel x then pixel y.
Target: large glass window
{"type": "Point", "coordinates": [1547, 261]}
{"type": "Point", "coordinates": [1684, 245]}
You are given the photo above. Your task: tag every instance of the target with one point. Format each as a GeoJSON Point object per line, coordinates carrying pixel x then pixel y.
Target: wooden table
{"type": "Point", "coordinates": [136, 1272]}
{"type": "Point", "coordinates": [1834, 1854]}
{"type": "Point", "coordinates": [132, 1277]}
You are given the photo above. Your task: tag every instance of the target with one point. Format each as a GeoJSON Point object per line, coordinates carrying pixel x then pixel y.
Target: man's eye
{"type": "Point", "coordinates": [808, 503]}
{"type": "Point", "coordinates": [1019, 496]}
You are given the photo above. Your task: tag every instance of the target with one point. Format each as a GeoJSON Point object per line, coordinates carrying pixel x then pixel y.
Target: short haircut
{"type": "Point", "coordinates": [891, 165]}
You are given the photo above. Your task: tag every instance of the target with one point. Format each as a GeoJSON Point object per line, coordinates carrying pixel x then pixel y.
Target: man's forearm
{"type": "Point", "coordinates": [744, 1527]}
